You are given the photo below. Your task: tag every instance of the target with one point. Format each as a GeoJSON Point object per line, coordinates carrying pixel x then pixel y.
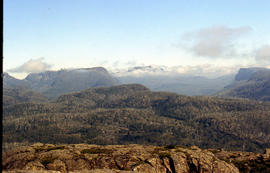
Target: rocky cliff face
{"type": "Point", "coordinates": [250, 83]}
{"type": "Point", "coordinates": [114, 158]}
{"type": "Point", "coordinates": [247, 73]}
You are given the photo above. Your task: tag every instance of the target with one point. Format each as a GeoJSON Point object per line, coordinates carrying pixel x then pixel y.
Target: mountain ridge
{"type": "Point", "coordinates": [250, 83]}
{"type": "Point", "coordinates": [54, 83]}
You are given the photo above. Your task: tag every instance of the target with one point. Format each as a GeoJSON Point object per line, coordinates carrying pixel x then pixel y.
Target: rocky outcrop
{"type": "Point", "coordinates": [246, 161]}
{"type": "Point", "coordinates": [112, 159]}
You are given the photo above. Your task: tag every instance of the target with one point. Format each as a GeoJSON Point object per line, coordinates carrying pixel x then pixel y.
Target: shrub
{"type": "Point", "coordinates": [46, 160]}
{"type": "Point", "coordinates": [170, 147]}
{"type": "Point", "coordinates": [163, 155]}
{"type": "Point", "coordinates": [96, 151]}
{"type": "Point", "coordinates": [55, 148]}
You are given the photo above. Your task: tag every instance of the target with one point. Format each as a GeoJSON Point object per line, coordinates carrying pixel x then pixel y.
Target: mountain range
{"type": "Point", "coordinates": [55, 83]}
{"type": "Point", "coordinates": [250, 83]}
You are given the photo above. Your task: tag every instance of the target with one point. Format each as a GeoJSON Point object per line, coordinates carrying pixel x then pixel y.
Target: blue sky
{"type": "Point", "coordinates": [84, 33]}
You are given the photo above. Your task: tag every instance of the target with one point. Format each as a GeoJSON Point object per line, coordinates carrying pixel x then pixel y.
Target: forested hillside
{"type": "Point", "coordinates": [133, 114]}
{"type": "Point", "coordinates": [18, 94]}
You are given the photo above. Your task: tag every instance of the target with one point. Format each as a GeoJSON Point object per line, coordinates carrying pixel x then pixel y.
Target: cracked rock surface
{"type": "Point", "coordinates": [113, 159]}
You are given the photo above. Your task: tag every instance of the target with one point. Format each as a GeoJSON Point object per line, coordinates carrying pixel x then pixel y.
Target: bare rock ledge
{"type": "Point", "coordinates": [85, 158]}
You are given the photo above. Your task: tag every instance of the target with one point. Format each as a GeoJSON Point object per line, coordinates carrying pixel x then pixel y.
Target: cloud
{"type": "Point", "coordinates": [215, 41]}
{"type": "Point", "coordinates": [206, 70]}
{"type": "Point", "coordinates": [32, 66]}
{"type": "Point", "coordinates": [262, 55]}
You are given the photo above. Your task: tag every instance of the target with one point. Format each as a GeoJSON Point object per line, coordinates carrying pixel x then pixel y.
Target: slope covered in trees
{"type": "Point", "coordinates": [18, 94]}
{"type": "Point", "coordinates": [133, 114]}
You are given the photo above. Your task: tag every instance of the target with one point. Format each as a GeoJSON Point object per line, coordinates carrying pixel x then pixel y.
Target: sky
{"type": "Point", "coordinates": [44, 35]}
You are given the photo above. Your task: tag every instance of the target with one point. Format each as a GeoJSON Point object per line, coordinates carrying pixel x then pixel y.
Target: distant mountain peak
{"type": "Point", "coordinates": [55, 83]}
{"type": "Point", "coordinates": [251, 83]}
{"type": "Point", "coordinates": [246, 73]}
{"type": "Point", "coordinates": [10, 81]}
{"type": "Point", "coordinates": [7, 76]}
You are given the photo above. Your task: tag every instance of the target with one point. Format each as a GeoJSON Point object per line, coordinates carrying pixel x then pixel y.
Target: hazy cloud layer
{"type": "Point", "coordinates": [215, 41]}
{"type": "Point", "coordinates": [262, 55]}
{"type": "Point", "coordinates": [206, 70]}
{"type": "Point", "coordinates": [32, 66]}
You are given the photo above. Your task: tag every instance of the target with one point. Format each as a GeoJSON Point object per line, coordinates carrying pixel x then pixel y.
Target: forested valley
{"type": "Point", "coordinates": [128, 114]}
